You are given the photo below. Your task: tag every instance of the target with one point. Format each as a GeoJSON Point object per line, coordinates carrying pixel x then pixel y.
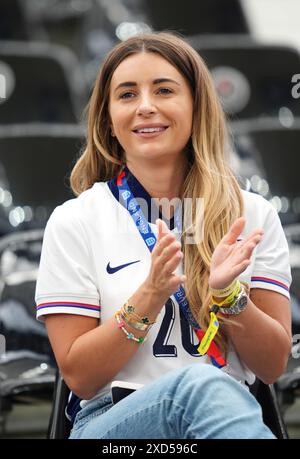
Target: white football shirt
{"type": "Point", "coordinates": [93, 259]}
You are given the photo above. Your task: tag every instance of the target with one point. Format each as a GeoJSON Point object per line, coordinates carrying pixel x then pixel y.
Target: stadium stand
{"type": "Point", "coordinates": [44, 155]}
{"type": "Point", "coordinates": [190, 17]}
{"type": "Point", "coordinates": [247, 75]}
{"type": "Point", "coordinates": [44, 81]}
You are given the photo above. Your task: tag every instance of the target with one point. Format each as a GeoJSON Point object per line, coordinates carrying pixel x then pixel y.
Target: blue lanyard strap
{"type": "Point", "coordinates": [149, 238]}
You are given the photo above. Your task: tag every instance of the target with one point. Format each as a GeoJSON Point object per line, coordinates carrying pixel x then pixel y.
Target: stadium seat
{"type": "Point", "coordinates": [292, 233]}
{"type": "Point", "coordinates": [36, 161]}
{"type": "Point", "coordinates": [59, 426]}
{"type": "Point", "coordinates": [190, 17]}
{"type": "Point", "coordinates": [13, 25]}
{"type": "Point", "coordinates": [27, 364]}
{"type": "Point", "coordinates": [274, 147]}
{"type": "Point", "coordinates": [19, 259]}
{"type": "Point", "coordinates": [44, 83]}
{"type": "Point", "coordinates": [253, 79]}
{"type": "Point", "coordinates": [288, 386]}
{"type": "Point", "coordinates": [24, 376]}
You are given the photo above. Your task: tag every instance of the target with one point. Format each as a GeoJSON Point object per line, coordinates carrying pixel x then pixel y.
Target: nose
{"type": "Point", "coordinates": [146, 105]}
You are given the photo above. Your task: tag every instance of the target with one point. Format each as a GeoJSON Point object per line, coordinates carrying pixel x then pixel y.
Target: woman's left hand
{"type": "Point", "coordinates": [231, 257]}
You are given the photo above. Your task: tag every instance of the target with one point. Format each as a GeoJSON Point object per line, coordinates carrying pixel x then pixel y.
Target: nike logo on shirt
{"type": "Point", "coordinates": [112, 270]}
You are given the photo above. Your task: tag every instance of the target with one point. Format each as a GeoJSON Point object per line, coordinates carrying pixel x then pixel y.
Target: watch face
{"type": "Point", "coordinates": [243, 301]}
{"type": "Point", "coordinates": [239, 306]}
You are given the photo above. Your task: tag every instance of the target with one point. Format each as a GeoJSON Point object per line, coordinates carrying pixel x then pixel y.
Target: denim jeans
{"type": "Point", "coordinates": [194, 402]}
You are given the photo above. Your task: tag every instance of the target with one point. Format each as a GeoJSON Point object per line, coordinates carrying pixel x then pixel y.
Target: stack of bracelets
{"type": "Point", "coordinates": [229, 297]}
{"type": "Point", "coordinates": [229, 293]}
{"type": "Point", "coordinates": [127, 315]}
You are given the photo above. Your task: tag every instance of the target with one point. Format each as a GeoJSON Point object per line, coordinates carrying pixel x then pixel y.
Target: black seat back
{"type": "Point", "coordinates": [59, 426]}
{"type": "Point", "coordinates": [13, 24]}
{"type": "Point", "coordinates": [44, 83]}
{"type": "Point", "coordinates": [275, 147]}
{"type": "Point", "coordinates": [191, 17]}
{"type": "Point", "coordinates": [266, 396]}
{"type": "Point", "coordinates": [252, 79]}
{"type": "Point", "coordinates": [36, 162]}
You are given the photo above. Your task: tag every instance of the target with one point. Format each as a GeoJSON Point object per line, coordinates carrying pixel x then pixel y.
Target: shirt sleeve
{"type": "Point", "coordinates": [66, 281]}
{"type": "Point", "coordinates": [272, 269]}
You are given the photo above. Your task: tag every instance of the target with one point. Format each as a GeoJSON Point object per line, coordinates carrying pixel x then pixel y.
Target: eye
{"type": "Point", "coordinates": [126, 95]}
{"type": "Point", "coordinates": [165, 91]}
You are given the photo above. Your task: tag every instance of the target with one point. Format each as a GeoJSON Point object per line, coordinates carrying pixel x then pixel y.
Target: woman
{"type": "Point", "coordinates": [111, 287]}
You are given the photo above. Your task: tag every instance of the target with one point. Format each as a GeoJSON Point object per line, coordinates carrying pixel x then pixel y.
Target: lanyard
{"type": "Point", "coordinates": [149, 238]}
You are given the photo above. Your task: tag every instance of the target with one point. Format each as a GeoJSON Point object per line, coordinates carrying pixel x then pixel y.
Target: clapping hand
{"type": "Point", "coordinates": [165, 259]}
{"type": "Point", "coordinates": [232, 257]}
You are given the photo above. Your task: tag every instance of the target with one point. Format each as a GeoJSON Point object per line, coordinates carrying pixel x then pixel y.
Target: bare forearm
{"type": "Point", "coordinates": [98, 355]}
{"type": "Point", "coordinates": [261, 342]}
{"type": "Point", "coordinates": [90, 355]}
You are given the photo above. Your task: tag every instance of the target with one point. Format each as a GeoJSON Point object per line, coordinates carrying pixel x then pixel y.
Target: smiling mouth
{"type": "Point", "coordinates": [150, 132]}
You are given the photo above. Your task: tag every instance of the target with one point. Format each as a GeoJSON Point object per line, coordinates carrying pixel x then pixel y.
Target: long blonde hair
{"type": "Point", "coordinates": [209, 176]}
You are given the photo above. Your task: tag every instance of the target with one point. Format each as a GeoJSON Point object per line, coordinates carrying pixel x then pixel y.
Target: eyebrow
{"type": "Point", "coordinates": [128, 84]}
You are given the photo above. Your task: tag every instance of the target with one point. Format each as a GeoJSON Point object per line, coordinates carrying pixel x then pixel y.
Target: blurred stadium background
{"type": "Point", "coordinates": [50, 52]}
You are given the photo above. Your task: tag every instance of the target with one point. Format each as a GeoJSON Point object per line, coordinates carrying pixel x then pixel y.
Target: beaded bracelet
{"type": "Point", "coordinates": [121, 325]}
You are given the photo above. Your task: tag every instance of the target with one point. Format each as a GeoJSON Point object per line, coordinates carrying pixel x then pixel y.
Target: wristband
{"type": "Point", "coordinates": [209, 334]}
{"type": "Point", "coordinates": [231, 298]}
{"type": "Point", "coordinates": [223, 292]}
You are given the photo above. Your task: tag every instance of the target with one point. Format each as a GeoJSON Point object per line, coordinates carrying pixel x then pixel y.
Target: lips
{"type": "Point", "coordinates": [150, 130]}
{"type": "Point", "coordinates": [143, 130]}
{"type": "Point", "coordinates": [142, 126]}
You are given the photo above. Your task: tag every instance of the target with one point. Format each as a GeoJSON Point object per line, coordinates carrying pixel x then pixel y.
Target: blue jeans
{"type": "Point", "coordinates": [197, 401]}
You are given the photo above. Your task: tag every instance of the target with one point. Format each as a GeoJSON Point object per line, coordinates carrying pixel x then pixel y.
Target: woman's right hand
{"type": "Point", "coordinates": [165, 258]}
